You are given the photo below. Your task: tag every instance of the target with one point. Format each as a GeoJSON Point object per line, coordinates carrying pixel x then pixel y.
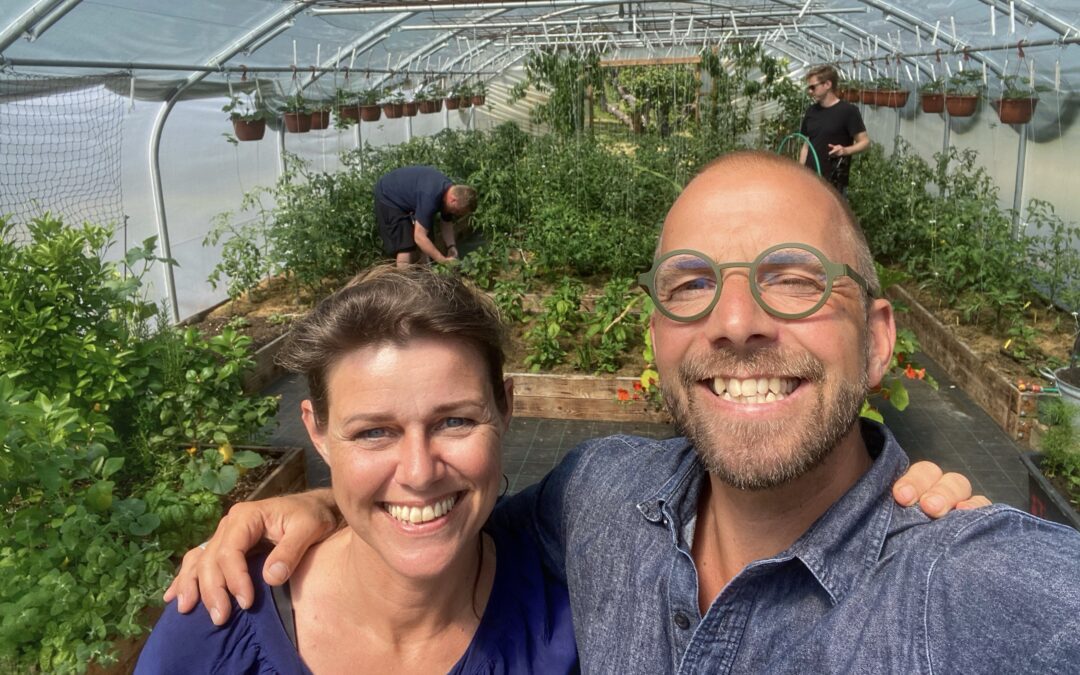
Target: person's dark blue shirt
{"type": "Point", "coordinates": [417, 190]}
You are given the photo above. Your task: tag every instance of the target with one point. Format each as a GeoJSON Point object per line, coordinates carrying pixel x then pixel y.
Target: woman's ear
{"type": "Point", "coordinates": [317, 435]}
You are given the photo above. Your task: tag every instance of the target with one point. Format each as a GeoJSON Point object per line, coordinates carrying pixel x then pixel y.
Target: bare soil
{"type": "Point", "coordinates": [263, 314]}
{"type": "Point", "coordinates": [1051, 345]}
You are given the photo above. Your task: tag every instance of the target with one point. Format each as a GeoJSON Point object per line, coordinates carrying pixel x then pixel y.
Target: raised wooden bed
{"type": "Point", "coordinates": [266, 369]}
{"type": "Point", "coordinates": [1044, 500]}
{"type": "Point", "coordinates": [579, 397]}
{"type": "Point", "coordinates": [1013, 410]}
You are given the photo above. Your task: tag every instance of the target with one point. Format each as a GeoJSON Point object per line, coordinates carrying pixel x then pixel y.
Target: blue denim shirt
{"type": "Point", "coordinates": [870, 587]}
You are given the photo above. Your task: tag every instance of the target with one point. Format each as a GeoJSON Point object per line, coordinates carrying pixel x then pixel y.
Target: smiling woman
{"type": "Point", "coordinates": [408, 405]}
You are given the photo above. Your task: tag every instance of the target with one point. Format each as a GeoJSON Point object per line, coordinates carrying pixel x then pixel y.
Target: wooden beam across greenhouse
{"type": "Point", "coordinates": [659, 61]}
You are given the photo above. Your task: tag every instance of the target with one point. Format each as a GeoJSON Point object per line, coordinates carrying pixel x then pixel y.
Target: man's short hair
{"type": "Point", "coordinates": [466, 198]}
{"type": "Point", "coordinates": [825, 73]}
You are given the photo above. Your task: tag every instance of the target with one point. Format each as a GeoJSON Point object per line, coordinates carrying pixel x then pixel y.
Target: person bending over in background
{"type": "Point", "coordinates": [408, 406]}
{"type": "Point", "coordinates": [835, 129]}
{"type": "Point", "coordinates": [407, 201]}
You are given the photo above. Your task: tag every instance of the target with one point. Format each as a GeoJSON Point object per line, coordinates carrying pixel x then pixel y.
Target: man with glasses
{"type": "Point", "coordinates": [765, 539]}
{"type": "Point", "coordinates": [835, 129]}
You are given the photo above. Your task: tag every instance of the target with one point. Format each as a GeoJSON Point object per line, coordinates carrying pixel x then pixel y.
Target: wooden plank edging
{"type": "Point", "coordinates": [580, 397]}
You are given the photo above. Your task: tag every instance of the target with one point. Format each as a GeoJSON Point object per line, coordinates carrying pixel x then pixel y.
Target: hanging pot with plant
{"type": "Point", "coordinates": [932, 96]}
{"type": "Point", "coordinates": [962, 93]}
{"type": "Point", "coordinates": [479, 94]}
{"type": "Point", "coordinates": [393, 105]}
{"type": "Point", "coordinates": [1017, 102]}
{"type": "Point", "coordinates": [410, 108]}
{"type": "Point", "coordinates": [297, 114]}
{"type": "Point", "coordinates": [889, 94]}
{"type": "Point", "coordinates": [430, 98]}
{"type": "Point", "coordinates": [248, 117]}
{"type": "Point", "coordinates": [320, 118]}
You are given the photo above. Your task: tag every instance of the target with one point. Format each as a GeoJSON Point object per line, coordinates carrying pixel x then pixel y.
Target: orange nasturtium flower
{"type": "Point", "coordinates": [192, 450]}
{"type": "Point", "coordinates": [622, 394]}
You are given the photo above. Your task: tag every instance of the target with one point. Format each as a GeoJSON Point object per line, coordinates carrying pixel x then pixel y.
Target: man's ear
{"type": "Point", "coordinates": [881, 329]}
{"type": "Point", "coordinates": [317, 435]}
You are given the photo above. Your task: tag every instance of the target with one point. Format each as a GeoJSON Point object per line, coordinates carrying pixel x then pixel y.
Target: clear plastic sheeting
{"type": "Point", "coordinates": [170, 66]}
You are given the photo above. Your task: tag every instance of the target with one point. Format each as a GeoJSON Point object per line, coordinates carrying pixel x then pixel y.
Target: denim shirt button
{"type": "Point", "coordinates": [682, 621]}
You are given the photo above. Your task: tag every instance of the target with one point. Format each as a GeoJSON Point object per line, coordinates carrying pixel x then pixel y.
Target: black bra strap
{"type": "Point", "coordinates": [283, 603]}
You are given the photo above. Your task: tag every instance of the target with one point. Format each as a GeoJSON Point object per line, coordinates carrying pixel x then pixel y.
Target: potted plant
{"type": "Point", "coordinates": [393, 105]}
{"type": "Point", "coordinates": [248, 117]}
{"type": "Point", "coordinates": [932, 96]}
{"type": "Point", "coordinates": [889, 93]}
{"type": "Point", "coordinates": [430, 98]}
{"type": "Point", "coordinates": [1054, 473]}
{"type": "Point", "coordinates": [320, 115]}
{"type": "Point", "coordinates": [849, 90]}
{"type": "Point", "coordinates": [464, 93]}
{"type": "Point", "coordinates": [411, 108]}
{"type": "Point", "coordinates": [297, 113]}
{"type": "Point", "coordinates": [479, 93]}
{"type": "Point", "coordinates": [1017, 102]}
{"type": "Point", "coordinates": [453, 98]}
{"type": "Point", "coordinates": [962, 93]}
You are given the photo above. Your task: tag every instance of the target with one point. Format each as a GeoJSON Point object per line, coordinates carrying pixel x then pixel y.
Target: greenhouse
{"type": "Point", "coordinates": [181, 183]}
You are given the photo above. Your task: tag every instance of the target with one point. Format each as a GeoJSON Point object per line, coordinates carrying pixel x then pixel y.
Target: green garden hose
{"type": "Point", "coordinates": [809, 146]}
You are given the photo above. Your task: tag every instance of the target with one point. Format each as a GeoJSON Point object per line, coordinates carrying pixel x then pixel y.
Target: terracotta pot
{"type": "Point", "coordinates": [961, 106]}
{"type": "Point", "coordinates": [428, 107]}
{"type": "Point", "coordinates": [465, 102]}
{"type": "Point", "coordinates": [452, 103]}
{"type": "Point", "coordinates": [852, 95]}
{"type": "Point", "coordinates": [393, 110]}
{"type": "Point", "coordinates": [892, 98]}
{"type": "Point", "coordinates": [478, 99]}
{"type": "Point", "coordinates": [297, 123]}
{"type": "Point", "coordinates": [370, 113]}
{"type": "Point", "coordinates": [320, 119]}
{"type": "Point", "coordinates": [249, 131]}
{"type": "Point", "coordinates": [411, 108]}
{"type": "Point", "coordinates": [868, 96]}
{"type": "Point", "coordinates": [350, 113]}
{"type": "Point", "coordinates": [933, 103]}
{"type": "Point", "coordinates": [1016, 110]}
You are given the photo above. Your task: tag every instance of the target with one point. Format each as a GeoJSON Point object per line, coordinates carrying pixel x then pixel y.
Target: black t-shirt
{"type": "Point", "coordinates": [836, 125]}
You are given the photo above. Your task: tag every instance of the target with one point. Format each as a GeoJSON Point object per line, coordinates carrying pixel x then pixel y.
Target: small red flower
{"type": "Point", "coordinates": [637, 386]}
{"type": "Point", "coordinates": [921, 372]}
{"type": "Point", "coordinates": [623, 394]}
{"type": "Point", "coordinates": [910, 372]}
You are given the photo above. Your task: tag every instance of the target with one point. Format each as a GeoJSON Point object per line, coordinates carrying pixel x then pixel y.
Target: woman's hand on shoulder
{"type": "Point", "coordinates": [934, 491]}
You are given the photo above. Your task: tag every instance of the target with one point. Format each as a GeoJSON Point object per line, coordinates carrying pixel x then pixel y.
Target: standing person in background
{"type": "Point", "coordinates": [835, 129]}
{"type": "Point", "coordinates": [407, 201]}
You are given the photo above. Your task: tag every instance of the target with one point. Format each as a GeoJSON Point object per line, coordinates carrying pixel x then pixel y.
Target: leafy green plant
{"type": "Point", "coordinates": [296, 104]}
{"type": "Point", "coordinates": [510, 297]}
{"type": "Point", "coordinates": [965, 83]}
{"type": "Point", "coordinates": [249, 107]}
{"type": "Point", "coordinates": [1015, 87]}
{"type": "Point", "coordinates": [1061, 446]}
{"type": "Point", "coordinates": [934, 86]}
{"type": "Point", "coordinates": [555, 324]}
{"type": "Point", "coordinates": [886, 84]}
{"type": "Point", "coordinates": [609, 330]}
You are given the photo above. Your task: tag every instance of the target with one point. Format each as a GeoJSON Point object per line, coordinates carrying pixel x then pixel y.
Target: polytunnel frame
{"type": "Point", "coordinates": [803, 44]}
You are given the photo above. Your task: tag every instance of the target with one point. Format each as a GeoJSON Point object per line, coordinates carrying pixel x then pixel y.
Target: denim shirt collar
{"type": "Point", "coordinates": [836, 549]}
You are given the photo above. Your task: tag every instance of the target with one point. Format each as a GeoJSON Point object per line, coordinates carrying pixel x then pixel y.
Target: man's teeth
{"type": "Point", "coordinates": [421, 514]}
{"type": "Point", "coordinates": [754, 390]}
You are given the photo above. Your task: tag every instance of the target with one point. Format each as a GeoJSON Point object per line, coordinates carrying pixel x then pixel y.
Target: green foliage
{"type": "Point", "coordinates": [564, 77]}
{"type": "Point", "coordinates": [1061, 446]}
{"type": "Point", "coordinates": [965, 83]}
{"type": "Point", "coordinates": [95, 497]}
{"type": "Point", "coordinates": [663, 95]}
{"type": "Point", "coordinates": [554, 326]}
{"type": "Point", "coordinates": [249, 107]}
{"type": "Point", "coordinates": [1014, 86]}
{"type": "Point", "coordinates": [609, 329]}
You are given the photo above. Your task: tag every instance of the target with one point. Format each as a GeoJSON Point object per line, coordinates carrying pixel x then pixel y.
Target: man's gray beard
{"type": "Point", "coordinates": [739, 453]}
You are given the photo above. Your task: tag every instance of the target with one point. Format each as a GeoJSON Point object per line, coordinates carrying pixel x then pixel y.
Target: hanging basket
{"type": "Point", "coordinates": [892, 98]}
{"type": "Point", "coordinates": [249, 131]}
{"type": "Point", "coordinates": [1016, 110]}
{"type": "Point", "coordinates": [410, 109]}
{"type": "Point", "coordinates": [868, 96]}
{"type": "Point", "coordinates": [320, 119]}
{"type": "Point", "coordinates": [933, 103]}
{"type": "Point", "coordinates": [452, 103]}
{"type": "Point", "coordinates": [465, 102]}
{"type": "Point", "coordinates": [961, 106]}
{"type": "Point", "coordinates": [427, 107]}
{"type": "Point", "coordinates": [370, 113]}
{"type": "Point", "coordinates": [349, 113]}
{"type": "Point", "coordinates": [393, 110]}
{"type": "Point", "coordinates": [852, 95]}
{"type": "Point", "coordinates": [478, 99]}
{"type": "Point", "coordinates": [297, 123]}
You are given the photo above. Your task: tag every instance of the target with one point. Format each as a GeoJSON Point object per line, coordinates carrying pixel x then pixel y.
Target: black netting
{"type": "Point", "coordinates": [60, 145]}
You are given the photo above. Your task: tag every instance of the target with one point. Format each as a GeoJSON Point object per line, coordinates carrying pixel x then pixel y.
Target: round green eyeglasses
{"type": "Point", "coordinates": [789, 281]}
